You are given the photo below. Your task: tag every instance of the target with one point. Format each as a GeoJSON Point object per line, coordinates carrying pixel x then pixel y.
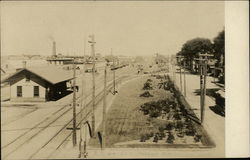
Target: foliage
{"type": "Point", "coordinates": [195, 46]}
{"type": "Point", "coordinates": [146, 94]}
{"type": "Point", "coordinates": [169, 126]}
{"type": "Point", "coordinates": [147, 86]}
{"type": "Point", "coordinates": [219, 45]}
{"type": "Point", "coordinates": [170, 138]}
{"type": "Point", "coordinates": [197, 137]}
{"type": "Point", "coordinates": [156, 138]}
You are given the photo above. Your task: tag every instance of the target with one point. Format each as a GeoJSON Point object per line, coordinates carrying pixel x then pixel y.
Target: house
{"type": "Point", "coordinates": [38, 84]}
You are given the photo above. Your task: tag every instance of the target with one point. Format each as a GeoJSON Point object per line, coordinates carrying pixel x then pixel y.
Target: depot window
{"type": "Point", "coordinates": [36, 91]}
{"type": "Point", "coordinates": [19, 91]}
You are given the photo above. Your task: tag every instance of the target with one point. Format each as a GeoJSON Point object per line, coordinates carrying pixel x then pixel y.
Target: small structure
{"type": "Point", "coordinates": [38, 84]}
{"type": "Point", "coordinates": [59, 60]}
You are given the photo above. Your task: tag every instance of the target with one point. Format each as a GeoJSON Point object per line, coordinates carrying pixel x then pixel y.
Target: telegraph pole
{"type": "Point", "coordinates": [83, 105]}
{"type": "Point", "coordinates": [174, 70]}
{"type": "Point", "coordinates": [204, 87]}
{"type": "Point", "coordinates": [201, 88]}
{"type": "Point", "coordinates": [203, 75]}
{"type": "Point", "coordinates": [92, 41]}
{"type": "Point", "coordinates": [214, 73]}
{"type": "Point", "coordinates": [180, 79]}
{"type": "Point", "coordinates": [179, 59]}
{"type": "Point", "coordinates": [113, 71]}
{"type": "Point", "coordinates": [104, 108]}
{"type": "Point", "coordinates": [184, 78]}
{"type": "Point", "coordinates": [74, 105]}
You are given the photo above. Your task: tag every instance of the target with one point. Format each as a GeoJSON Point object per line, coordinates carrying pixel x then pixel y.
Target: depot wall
{"type": "Point", "coordinates": [27, 91]}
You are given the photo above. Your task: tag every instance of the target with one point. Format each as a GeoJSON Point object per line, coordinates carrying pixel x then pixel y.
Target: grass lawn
{"type": "Point", "coordinates": [127, 123]}
{"type": "Point", "coordinates": [124, 120]}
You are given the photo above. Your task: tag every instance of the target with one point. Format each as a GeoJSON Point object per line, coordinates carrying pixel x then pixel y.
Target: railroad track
{"type": "Point", "coordinates": [40, 123]}
{"type": "Point", "coordinates": [59, 139]}
{"type": "Point", "coordinates": [27, 136]}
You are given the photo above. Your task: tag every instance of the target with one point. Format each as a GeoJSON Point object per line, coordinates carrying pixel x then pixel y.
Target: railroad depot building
{"type": "Point", "coordinates": [38, 84]}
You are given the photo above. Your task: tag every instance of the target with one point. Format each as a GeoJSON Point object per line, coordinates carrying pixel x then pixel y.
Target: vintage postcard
{"type": "Point", "coordinates": [113, 79]}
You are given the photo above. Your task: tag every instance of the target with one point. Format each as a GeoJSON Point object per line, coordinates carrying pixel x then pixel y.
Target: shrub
{"type": "Point", "coordinates": [177, 116]}
{"type": "Point", "coordinates": [169, 126]}
{"type": "Point", "coordinates": [156, 138]}
{"type": "Point", "coordinates": [161, 129]}
{"type": "Point", "coordinates": [179, 125]}
{"type": "Point", "coordinates": [170, 139]}
{"type": "Point", "coordinates": [151, 108]}
{"type": "Point", "coordinates": [147, 86]}
{"type": "Point", "coordinates": [147, 136]}
{"type": "Point", "coordinates": [154, 113]}
{"type": "Point", "coordinates": [146, 94]}
{"type": "Point", "coordinates": [151, 134]}
{"type": "Point", "coordinates": [180, 134]}
{"type": "Point", "coordinates": [197, 137]}
{"type": "Point", "coordinates": [142, 139]}
{"type": "Point", "coordinates": [149, 80]}
{"type": "Point", "coordinates": [190, 131]}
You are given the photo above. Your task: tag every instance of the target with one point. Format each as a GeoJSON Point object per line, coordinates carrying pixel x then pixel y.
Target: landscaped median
{"type": "Point", "coordinates": [149, 111]}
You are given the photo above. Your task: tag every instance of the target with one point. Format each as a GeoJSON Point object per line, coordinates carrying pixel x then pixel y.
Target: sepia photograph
{"type": "Point", "coordinates": [113, 79]}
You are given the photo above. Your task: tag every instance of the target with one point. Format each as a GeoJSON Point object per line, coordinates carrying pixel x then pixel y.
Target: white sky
{"type": "Point", "coordinates": [130, 28]}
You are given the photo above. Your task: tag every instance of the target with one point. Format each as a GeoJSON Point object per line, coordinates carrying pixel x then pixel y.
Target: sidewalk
{"type": "Point", "coordinates": [214, 124]}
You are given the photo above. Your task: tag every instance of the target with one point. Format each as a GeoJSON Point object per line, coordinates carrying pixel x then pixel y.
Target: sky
{"type": "Point", "coordinates": [129, 28]}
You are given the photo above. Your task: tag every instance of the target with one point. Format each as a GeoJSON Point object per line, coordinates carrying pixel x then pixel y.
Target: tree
{"type": "Point", "coordinates": [219, 46]}
{"type": "Point", "coordinates": [193, 47]}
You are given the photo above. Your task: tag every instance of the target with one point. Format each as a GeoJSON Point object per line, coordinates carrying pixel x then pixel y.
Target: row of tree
{"type": "Point", "coordinates": [192, 48]}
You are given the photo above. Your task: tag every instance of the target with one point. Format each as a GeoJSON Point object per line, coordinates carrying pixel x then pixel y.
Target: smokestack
{"type": "Point", "coordinates": [24, 64]}
{"type": "Point", "coordinates": [54, 49]}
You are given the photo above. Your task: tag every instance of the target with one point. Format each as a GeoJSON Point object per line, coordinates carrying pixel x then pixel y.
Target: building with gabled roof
{"type": "Point", "coordinates": [38, 84]}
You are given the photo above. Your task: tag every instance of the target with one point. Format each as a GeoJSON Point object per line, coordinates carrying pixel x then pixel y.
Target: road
{"type": "Point", "coordinates": [41, 128]}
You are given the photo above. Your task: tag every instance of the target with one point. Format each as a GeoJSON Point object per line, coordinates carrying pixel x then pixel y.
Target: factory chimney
{"type": "Point", "coordinates": [54, 49]}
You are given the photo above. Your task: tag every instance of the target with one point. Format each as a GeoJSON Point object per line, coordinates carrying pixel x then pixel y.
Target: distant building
{"type": "Point", "coordinates": [38, 84]}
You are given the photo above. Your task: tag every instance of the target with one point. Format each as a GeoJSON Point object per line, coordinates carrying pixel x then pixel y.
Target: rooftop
{"type": "Point", "coordinates": [52, 74]}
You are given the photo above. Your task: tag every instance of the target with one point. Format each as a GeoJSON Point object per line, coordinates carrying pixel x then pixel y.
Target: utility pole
{"type": "Point", "coordinates": [201, 88]}
{"type": "Point", "coordinates": [203, 74]}
{"type": "Point", "coordinates": [83, 105]}
{"type": "Point", "coordinates": [104, 109]}
{"type": "Point", "coordinates": [180, 79]}
{"type": "Point", "coordinates": [113, 71]}
{"type": "Point", "coordinates": [184, 78]}
{"type": "Point", "coordinates": [92, 41]}
{"type": "Point", "coordinates": [204, 88]}
{"type": "Point", "coordinates": [214, 73]}
{"type": "Point", "coordinates": [74, 105]}
{"type": "Point", "coordinates": [174, 70]}
{"type": "Point", "coordinates": [179, 60]}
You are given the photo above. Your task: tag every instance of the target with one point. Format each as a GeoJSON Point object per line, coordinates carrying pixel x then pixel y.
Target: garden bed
{"type": "Point", "coordinates": [163, 119]}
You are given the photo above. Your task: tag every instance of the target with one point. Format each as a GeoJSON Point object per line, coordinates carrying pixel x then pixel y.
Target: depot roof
{"type": "Point", "coordinates": [51, 74]}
